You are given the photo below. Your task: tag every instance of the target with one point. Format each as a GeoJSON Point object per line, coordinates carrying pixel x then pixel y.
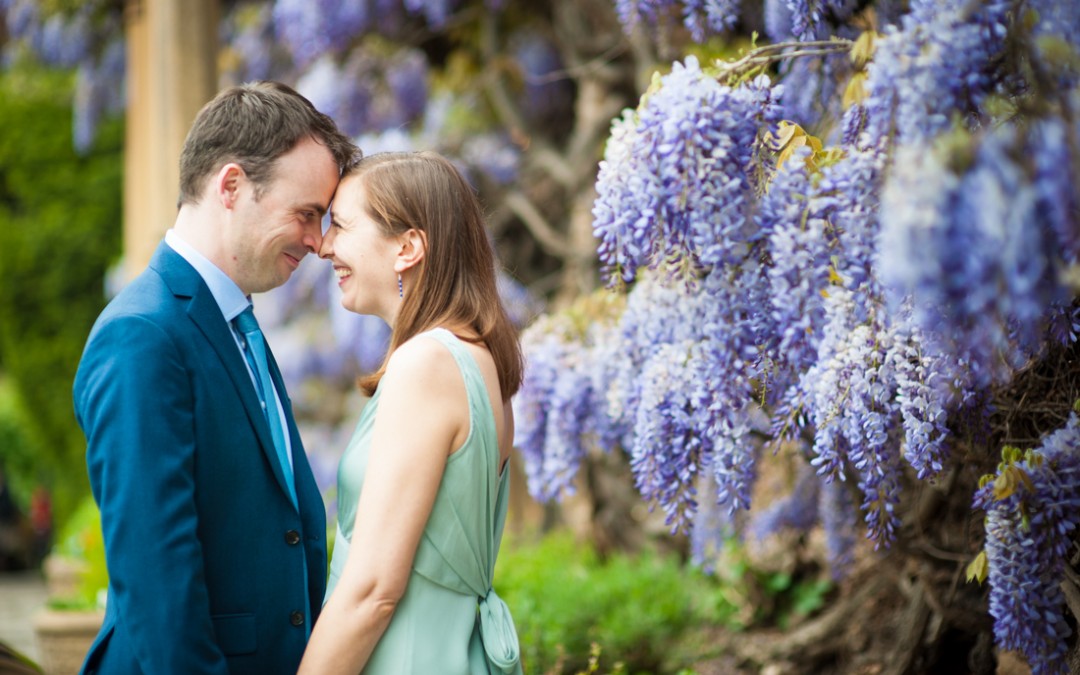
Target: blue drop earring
{"type": "Point", "coordinates": [400, 289]}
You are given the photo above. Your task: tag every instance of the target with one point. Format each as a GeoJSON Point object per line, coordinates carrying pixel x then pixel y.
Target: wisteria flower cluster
{"type": "Point", "coordinates": [313, 28]}
{"type": "Point", "coordinates": [687, 135]}
{"type": "Point", "coordinates": [859, 301]}
{"type": "Point", "coordinates": [702, 18]}
{"type": "Point", "coordinates": [1032, 507]}
{"type": "Point", "coordinates": [554, 422]}
{"type": "Point", "coordinates": [998, 242]}
{"type": "Point", "coordinates": [938, 63]}
{"type": "Point", "coordinates": [88, 39]}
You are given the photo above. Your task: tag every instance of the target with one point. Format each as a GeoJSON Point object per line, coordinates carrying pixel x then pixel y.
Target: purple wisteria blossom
{"type": "Point", "coordinates": [685, 196]}
{"type": "Point", "coordinates": [621, 213]}
{"type": "Point", "coordinates": [851, 389]}
{"type": "Point", "coordinates": [840, 520]}
{"type": "Point", "coordinates": [548, 473]}
{"type": "Point", "coordinates": [936, 65]}
{"type": "Point", "coordinates": [703, 18]}
{"type": "Point", "coordinates": [1029, 525]}
{"type": "Point", "coordinates": [796, 510]}
{"type": "Point", "coordinates": [435, 12]}
{"type": "Point", "coordinates": [252, 51]}
{"type": "Point", "coordinates": [669, 448]}
{"type": "Point", "coordinates": [799, 244]}
{"type": "Point", "coordinates": [863, 300]}
{"type": "Point", "coordinates": [974, 252]}
{"type": "Point", "coordinates": [924, 394]}
{"type": "Point", "coordinates": [312, 28]}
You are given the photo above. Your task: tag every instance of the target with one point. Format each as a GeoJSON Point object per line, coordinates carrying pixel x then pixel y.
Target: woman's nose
{"type": "Point", "coordinates": [326, 248]}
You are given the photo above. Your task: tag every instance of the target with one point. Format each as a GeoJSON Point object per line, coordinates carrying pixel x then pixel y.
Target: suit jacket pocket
{"type": "Point", "coordinates": [235, 633]}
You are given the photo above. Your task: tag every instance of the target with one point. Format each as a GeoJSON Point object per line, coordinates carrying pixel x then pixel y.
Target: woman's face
{"type": "Point", "coordinates": [362, 256]}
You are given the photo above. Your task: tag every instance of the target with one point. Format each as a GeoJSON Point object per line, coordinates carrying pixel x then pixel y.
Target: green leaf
{"type": "Point", "coordinates": [978, 568]}
{"type": "Point", "coordinates": [862, 52]}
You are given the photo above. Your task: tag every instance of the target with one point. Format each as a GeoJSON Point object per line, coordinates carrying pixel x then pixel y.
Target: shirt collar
{"type": "Point", "coordinates": [230, 299]}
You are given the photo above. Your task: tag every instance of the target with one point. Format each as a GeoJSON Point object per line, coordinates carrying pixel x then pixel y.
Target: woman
{"type": "Point", "coordinates": [422, 486]}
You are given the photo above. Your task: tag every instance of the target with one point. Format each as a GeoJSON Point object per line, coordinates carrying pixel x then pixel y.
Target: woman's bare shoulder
{"type": "Point", "coordinates": [421, 361]}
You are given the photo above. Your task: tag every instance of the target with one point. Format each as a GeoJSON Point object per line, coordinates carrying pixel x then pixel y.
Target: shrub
{"type": "Point", "coordinates": [60, 227]}
{"type": "Point", "coordinates": [632, 607]}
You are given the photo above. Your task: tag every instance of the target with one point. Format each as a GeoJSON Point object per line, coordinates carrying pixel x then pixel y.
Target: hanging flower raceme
{"type": "Point", "coordinates": [972, 241]}
{"type": "Point", "coordinates": [312, 28]}
{"type": "Point", "coordinates": [701, 17]}
{"type": "Point", "coordinates": [677, 181]}
{"type": "Point", "coordinates": [937, 64]}
{"type": "Point", "coordinates": [560, 410]}
{"type": "Point", "coordinates": [550, 465]}
{"type": "Point", "coordinates": [1032, 508]}
{"type": "Point", "coordinates": [861, 300]}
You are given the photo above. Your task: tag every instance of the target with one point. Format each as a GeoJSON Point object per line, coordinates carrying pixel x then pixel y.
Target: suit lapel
{"type": "Point", "coordinates": [204, 312]}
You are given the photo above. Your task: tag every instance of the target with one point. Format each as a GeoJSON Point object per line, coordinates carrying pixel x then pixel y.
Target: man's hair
{"type": "Point", "coordinates": [253, 124]}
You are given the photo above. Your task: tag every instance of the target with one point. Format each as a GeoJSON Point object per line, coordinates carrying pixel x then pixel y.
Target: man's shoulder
{"type": "Point", "coordinates": [148, 305]}
{"type": "Point", "coordinates": [145, 295]}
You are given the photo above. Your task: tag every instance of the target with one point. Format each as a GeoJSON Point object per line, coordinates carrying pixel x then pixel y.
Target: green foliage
{"type": "Point", "coordinates": [575, 613]}
{"type": "Point", "coordinates": [80, 540]}
{"type": "Point", "coordinates": [793, 599]}
{"type": "Point", "coordinates": [60, 228]}
{"type": "Point", "coordinates": [768, 597]}
{"type": "Point", "coordinates": [18, 455]}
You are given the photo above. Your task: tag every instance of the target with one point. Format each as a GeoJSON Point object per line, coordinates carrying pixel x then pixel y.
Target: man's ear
{"type": "Point", "coordinates": [227, 184]}
{"type": "Point", "coordinates": [413, 248]}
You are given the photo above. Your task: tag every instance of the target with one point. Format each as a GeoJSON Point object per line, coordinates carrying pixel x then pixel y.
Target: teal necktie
{"type": "Point", "coordinates": [256, 357]}
{"type": "Point", "coordinates": [255, 352]}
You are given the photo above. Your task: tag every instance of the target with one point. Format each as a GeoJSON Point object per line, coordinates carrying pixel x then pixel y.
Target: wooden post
{"type": "Point", "coordinates": [172, 51]}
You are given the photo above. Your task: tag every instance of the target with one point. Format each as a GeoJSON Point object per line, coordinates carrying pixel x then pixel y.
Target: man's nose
{"type": "Point", "coordinates": [313, 237]}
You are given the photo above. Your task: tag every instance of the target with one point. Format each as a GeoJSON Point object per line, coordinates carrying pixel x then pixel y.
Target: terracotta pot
{"type": "Point", "coordinates": [64, 637]}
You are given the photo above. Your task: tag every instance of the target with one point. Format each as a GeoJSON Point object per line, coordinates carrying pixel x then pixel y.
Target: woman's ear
{"type": "Point", "coordinates": [227, 184]}
{"type": "Point", "coordinates": [413, 248]}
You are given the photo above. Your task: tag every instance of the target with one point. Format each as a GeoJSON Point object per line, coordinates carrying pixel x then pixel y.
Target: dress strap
{"type": "Point", "coordinates": [475, 386]}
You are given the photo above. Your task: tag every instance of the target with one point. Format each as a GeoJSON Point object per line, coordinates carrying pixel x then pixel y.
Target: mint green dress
{"type": "Point", "coordinates": [449, 621]}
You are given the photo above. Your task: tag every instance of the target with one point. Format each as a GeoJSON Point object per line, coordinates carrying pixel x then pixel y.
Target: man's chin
{"type": "Point", "coordinates": [264, 285]}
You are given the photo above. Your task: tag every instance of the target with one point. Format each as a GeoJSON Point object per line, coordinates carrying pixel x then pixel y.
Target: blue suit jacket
{"type": "Point", "coordinates": [206, 553]}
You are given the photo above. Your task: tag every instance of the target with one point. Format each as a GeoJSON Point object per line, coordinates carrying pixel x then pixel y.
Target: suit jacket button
{"type": "Point", "coordinates": [296, 618]}
{"type": "Point", "coordinates": [292, 537]}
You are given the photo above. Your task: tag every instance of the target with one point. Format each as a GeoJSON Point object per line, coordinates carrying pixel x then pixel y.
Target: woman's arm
{"type": "Point", "coordinates": [422, 414]}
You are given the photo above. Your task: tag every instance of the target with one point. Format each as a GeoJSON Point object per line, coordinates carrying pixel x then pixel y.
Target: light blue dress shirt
{"type": "Point", "coordinates": [231, 300]}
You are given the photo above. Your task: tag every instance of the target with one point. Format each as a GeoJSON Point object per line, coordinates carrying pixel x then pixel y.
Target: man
{"type": "Point", "coordinates": [214, 527]}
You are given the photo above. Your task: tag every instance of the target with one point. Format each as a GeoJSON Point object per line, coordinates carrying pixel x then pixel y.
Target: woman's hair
{"type": "Point", "coordinates": [455, 280]}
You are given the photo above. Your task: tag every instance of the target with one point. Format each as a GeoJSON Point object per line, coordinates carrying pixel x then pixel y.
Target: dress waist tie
{"type": "Point", "coordinates": [498, 633]}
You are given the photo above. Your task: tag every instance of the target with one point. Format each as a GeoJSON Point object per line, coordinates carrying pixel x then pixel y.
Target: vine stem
{"type": "Point", "coordinates": [767, 54]}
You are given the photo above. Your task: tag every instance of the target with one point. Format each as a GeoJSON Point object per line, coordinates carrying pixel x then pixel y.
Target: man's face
{"type": "Point", "coordinates": [275, 231]}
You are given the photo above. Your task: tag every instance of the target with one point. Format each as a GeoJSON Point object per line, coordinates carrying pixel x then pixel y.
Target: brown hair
{"type": "Point", "coordinates": [253, 124]}
{"type": "Point", "coordinates": [455, 281]}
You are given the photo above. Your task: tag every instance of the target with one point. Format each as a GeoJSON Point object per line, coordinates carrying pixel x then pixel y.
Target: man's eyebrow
{"type": "Point", "coordinates": [314, 206]}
